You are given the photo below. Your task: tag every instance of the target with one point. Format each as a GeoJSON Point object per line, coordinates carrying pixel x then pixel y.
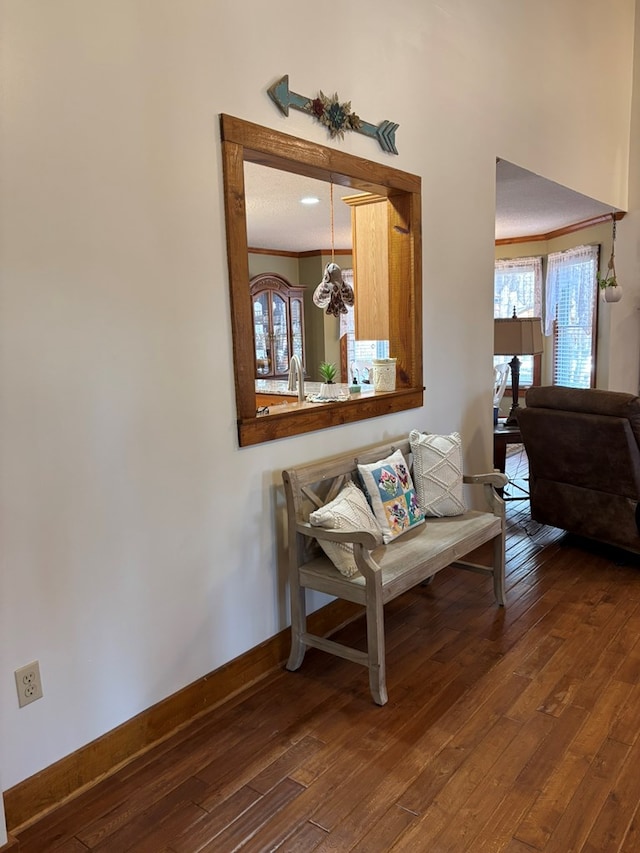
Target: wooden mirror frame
{"type": "Point", "coordinates": [243, 141]}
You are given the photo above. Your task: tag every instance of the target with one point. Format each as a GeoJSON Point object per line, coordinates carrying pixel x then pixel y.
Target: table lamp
{"type": "Point", "coordinates": [516, 336]}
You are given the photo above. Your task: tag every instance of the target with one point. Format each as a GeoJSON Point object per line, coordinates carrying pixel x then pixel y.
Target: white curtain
{"type": "Point", "coordinates": [518, 285]}
{"type": "Point", "coordinates": [577, 263]}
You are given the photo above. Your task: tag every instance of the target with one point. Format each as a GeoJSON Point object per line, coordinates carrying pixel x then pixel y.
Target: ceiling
{"type": "Point", "coordinates": [526, 205]}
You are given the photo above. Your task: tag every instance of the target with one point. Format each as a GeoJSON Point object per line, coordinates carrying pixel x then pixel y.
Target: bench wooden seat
{"type": "Point", "coordinates": [386, 571]}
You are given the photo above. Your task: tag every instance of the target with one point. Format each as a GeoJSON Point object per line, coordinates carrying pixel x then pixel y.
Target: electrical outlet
{"type": "Point", "coordinates": [28, 683]}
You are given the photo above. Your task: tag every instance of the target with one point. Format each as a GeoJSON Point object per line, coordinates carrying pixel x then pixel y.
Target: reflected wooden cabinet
{"type": "Point", "coordinates": [278, 323]}
{"type": "Point", "coordinates": [370, 223]}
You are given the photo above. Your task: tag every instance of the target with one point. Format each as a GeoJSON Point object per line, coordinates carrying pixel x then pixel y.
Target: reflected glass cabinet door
{"type": "Point", "coordinates": [263, 334]}
{"type": "Point", "coordinates": [280, 314]}
{"type": "Point", "coordinates": [278, 323]}
{"type": "Point", "coordinates": [297, 327]}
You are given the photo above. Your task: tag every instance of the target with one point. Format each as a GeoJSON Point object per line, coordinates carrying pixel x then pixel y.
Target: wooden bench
{"type": "Point", "coordinates": [387, 571]}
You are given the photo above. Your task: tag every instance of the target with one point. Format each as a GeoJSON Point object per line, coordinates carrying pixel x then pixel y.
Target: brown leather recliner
{"type": "Point", "coordinates": [583, 447]}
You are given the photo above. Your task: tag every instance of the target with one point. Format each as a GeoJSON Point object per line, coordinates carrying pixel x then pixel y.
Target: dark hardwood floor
{"type": "Point", "coordinates": [506, 730]}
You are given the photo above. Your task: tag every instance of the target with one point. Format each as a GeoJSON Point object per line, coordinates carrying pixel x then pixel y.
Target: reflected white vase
{"type": "Point", "coordinates": [384, 374]}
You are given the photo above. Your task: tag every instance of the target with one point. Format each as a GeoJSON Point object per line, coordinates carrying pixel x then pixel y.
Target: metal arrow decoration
{"type": "Point", "coordinates": [336, 117]}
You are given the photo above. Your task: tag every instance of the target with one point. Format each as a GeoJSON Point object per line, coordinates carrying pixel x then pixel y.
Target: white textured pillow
{"type": "Point", "coordinates": [348, 511]}
{"type": "Point", "coordinates": [392, 495]}
{"type": "Point", "coordinates": [437, 471]}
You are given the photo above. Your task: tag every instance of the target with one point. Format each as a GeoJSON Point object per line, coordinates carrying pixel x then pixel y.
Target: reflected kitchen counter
{"type": "Point", "coordinates": [273, 396]}
{"type": "Point", "coordinates": [280, 387]}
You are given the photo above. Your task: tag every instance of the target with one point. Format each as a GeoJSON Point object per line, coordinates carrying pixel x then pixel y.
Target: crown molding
{"type": "Point", "coordinates": [560, 232]}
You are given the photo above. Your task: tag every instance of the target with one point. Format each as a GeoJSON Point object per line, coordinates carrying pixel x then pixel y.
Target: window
{"type": "Point", "coordinates": [571, 313]}
{"type": "Point", "coordinates": [518, 287]}
{"type": "Point", "coordinates": [357, 356]}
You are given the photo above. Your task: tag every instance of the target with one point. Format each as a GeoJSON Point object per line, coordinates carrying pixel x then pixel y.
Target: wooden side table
{"type": "Point", "coordinates": [503, 435]}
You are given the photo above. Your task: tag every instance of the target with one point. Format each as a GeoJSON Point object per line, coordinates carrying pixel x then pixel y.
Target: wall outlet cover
{"type": "Point", "coordinates": [28, 683]}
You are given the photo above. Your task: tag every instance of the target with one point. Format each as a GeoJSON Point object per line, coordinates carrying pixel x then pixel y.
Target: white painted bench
{"type": "Point", "coordinates": [387, 571]}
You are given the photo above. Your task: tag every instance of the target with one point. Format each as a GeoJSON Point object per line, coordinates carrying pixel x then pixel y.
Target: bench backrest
{"type": "Point", "coordinates": [310, 486]}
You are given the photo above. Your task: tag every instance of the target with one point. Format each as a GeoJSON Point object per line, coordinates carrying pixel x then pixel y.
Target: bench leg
{"type": "Point", "coordinates": [298, 626]}
{"type": "Point", "coordinates": [498, 570]}
{"type": "Point", "coordinates": [376, 644]}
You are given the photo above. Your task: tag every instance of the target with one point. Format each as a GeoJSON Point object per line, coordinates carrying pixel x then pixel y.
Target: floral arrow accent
{"type": "Point", "coordinates": [335, 116]}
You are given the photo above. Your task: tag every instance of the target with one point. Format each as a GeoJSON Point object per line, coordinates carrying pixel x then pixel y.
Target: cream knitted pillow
{"type": "Point", "coordinates": [348, 511]}
{"type": "Point", "coordinates": [437, 473]}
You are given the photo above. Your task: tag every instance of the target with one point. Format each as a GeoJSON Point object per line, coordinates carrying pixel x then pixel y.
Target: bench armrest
{"type": "Point", "coordinates": [495, 479]}
{"type": "Point", "coordinates": [332, 534]}
{"type": "Point", "coordinates": [491, 481]}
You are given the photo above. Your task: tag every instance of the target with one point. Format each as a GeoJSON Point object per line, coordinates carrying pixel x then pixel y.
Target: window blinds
{"type": "Point", "coordinates": [570, 300]}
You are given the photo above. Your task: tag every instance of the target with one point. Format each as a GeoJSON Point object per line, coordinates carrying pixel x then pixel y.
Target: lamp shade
{"type": "Point", "coordinates": [517, 336]}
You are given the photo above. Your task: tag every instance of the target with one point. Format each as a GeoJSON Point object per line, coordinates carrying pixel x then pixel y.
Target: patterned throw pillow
{"type": "Point", "coordinates": [348, 511]}
{"type": "Point", "coordinates": [392, 495]}
{"type": "Point", "coordinates": [437, 469]}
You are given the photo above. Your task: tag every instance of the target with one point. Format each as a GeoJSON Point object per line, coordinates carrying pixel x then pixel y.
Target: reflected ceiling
{"type": "Point", "coordinates": [276, 219]}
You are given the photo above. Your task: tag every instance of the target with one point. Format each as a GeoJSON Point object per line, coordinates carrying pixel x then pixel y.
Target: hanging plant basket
{"type": "Point", "coordinates": [608, 284]}
{"type": "Point", "coordinates": [611, 292]}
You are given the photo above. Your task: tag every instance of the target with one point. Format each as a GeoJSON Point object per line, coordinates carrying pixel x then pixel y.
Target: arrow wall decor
{"type": "Point", "coordinates": [336, 117]}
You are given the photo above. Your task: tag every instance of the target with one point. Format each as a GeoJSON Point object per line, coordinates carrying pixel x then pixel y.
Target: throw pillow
{"type": "Point", "coordinates": [348, 511]}
{"type": "Point", "coordinates": [392, 495]}
{"type": "Point", "coordinates": [437, 469]}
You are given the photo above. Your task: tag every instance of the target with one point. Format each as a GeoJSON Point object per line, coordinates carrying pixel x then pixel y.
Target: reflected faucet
{"type": "Point", "coordinates": [295, 371]}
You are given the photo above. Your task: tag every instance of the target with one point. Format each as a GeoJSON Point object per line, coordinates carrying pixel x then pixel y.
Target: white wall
{"type": "Point", "coordinates": [140, 546]}
{"type": "Point", "coordinates": [624, 335]}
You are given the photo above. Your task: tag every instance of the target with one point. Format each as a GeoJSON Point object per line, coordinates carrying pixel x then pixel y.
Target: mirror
{"type": "Point", "coordinates": [400, 192]}
{"type": "Point", "coordinates": [295, 226]}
